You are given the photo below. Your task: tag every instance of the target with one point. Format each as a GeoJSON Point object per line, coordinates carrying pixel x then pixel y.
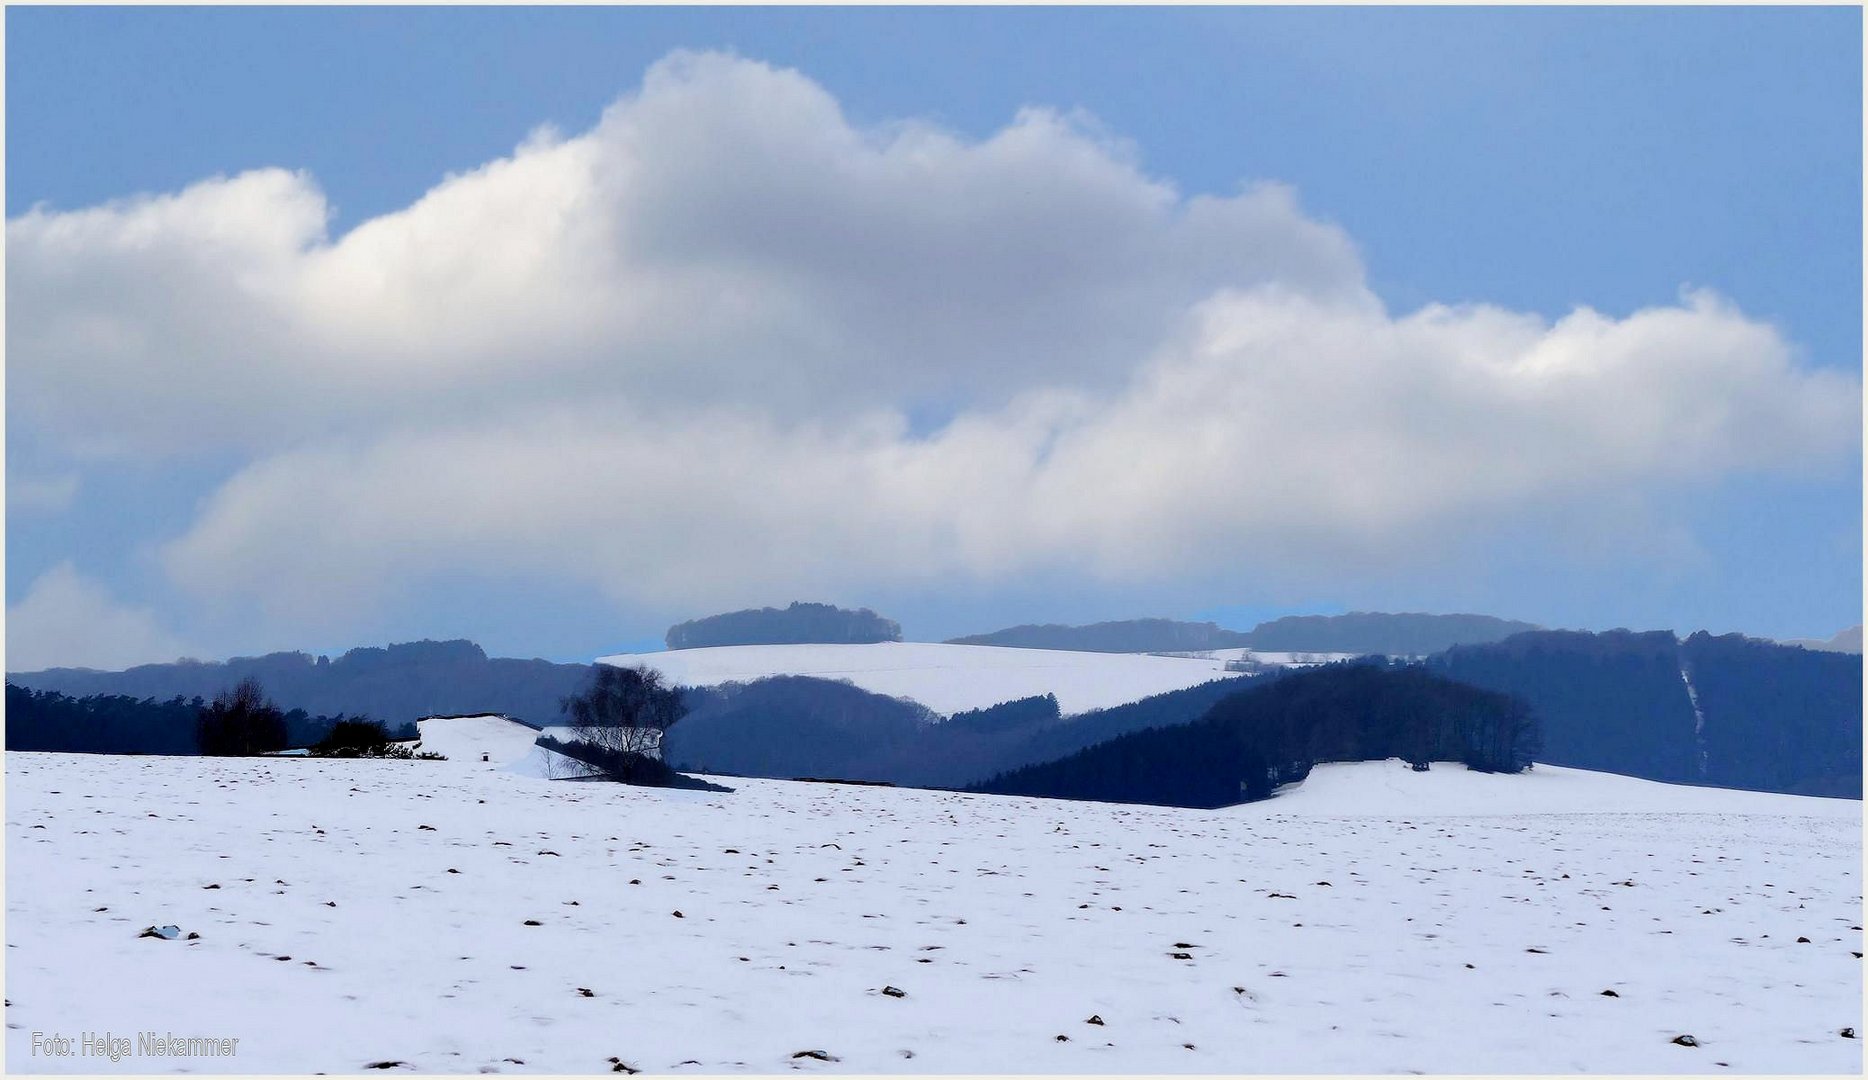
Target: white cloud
{"type": "Point", "coordinates": [1290, 439]}
{"type": "Point", "coordinates": [722, 233]}
{"type": "Point", "coordinates": [672, 358]}
{"type": "Point", "coordinates": [69, 620]}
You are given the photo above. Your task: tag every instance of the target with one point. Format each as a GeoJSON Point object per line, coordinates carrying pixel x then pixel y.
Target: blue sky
{"type": "Point", "coordinates": [1533, 160]}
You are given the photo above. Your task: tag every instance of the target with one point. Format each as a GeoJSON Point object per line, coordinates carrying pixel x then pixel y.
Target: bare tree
{"type": "Point", "coordinates": [620, 720]}
{"type": "Point", "coordinates": [241, 721]}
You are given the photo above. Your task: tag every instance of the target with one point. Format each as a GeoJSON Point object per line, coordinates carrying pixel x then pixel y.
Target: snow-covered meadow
{"type": "Point", "coordinates": [947, 678]}
{"type": "Point", "coordinates": [469, 916]}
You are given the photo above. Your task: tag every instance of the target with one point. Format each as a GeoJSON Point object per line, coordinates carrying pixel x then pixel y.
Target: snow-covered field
{"type": "Point", "coordinates": [464, 916]}
{"type": "Point", "coordinates": [945, 678]}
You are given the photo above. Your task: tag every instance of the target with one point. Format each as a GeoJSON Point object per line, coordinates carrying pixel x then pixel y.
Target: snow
{"type": "Point", "coordinates": [508, 745]}
{"type": "Point", "coordinates": [464, 739]}
{"type": "Point", "coordinates": [1469, 922]}
{"type": "Point", "coordinates": [945, 678]}
{"type": "Point", "coordinates": [1392, 788]}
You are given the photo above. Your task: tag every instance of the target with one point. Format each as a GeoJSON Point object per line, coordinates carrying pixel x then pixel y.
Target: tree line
{"type": "Point", "coordinates": [240, 720]}
{"type": "Point", "coordinates": [397, 684]}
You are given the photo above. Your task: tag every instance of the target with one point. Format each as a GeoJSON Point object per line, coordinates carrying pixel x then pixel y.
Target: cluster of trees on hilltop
{"type": "Point", "coordinates": [1769, 717]}
{"type": "Point", "coordinates": [120, 724]}
{"type": "Point", "coordinates": [398, 684]}
{"type": "Point", "coordinates": [1251, 742]}
{"type": "Point", "coordinates": [799, 624]}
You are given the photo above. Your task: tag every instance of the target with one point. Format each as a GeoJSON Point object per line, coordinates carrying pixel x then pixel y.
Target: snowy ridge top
{"type": "Point", "coordinates": [945, 678]}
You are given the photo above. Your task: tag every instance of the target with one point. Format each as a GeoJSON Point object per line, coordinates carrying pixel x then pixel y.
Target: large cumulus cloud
{"type": "Point", "coordinates": [726, 346]}
{"type": "Point", "coordinates": [723, 233]}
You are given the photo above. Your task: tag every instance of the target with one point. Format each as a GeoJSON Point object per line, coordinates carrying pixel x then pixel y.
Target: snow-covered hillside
{"type": "Point", "coordinates": [497, 744]}
{"type": "Point", "coordinates": [1389, 788]}
{"type": "Point", "coordinates": [461, 916]}
{"type": "Point", "coordinates": [945, 678]}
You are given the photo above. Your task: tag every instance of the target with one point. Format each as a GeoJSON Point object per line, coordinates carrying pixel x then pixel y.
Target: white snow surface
{"type": "Point", "coordinates": [1369, 920]}
{"type": "Point", "coordinates": [945, 678]}
{"type": "Point", "coordinates": [463, 739]}
{"type": "Point", "coordinates": [507, 744]}
{"type": "Point", "coordinates": [1391, 788]}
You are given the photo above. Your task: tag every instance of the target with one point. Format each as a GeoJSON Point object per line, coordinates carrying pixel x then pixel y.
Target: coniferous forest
{"type": "Point", "coordinates": [1251, 742]}
{"type": "Point", "coordinates": [121, 724]}
{"type": "Point", "coordinates": [1724, 710]}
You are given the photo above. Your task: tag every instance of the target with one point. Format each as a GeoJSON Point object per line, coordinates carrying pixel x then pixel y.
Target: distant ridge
{"type": "Point", "coordinates": [799, 624]}
{"type": "Point", "coordinates": [1406, 634]}
{"type": "Point", "coordinates": [1122, 636]}
{"type": "Point", "coordinates": [396, 684]}
{"type": "Point", "coordinates": [1410, 634]}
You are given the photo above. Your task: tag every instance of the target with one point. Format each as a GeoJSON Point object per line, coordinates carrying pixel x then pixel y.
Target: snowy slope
{"type": "Point", "coordinates": [507, 745]}
{"type": "Point", "coordinates": [1390, 787]}
{"type": "Point", "coordinates": [463, 739]}
{"type": "Point", "coordinates": [1341, 927]}
{"type": "Point", "coordinates": [945, 678]}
